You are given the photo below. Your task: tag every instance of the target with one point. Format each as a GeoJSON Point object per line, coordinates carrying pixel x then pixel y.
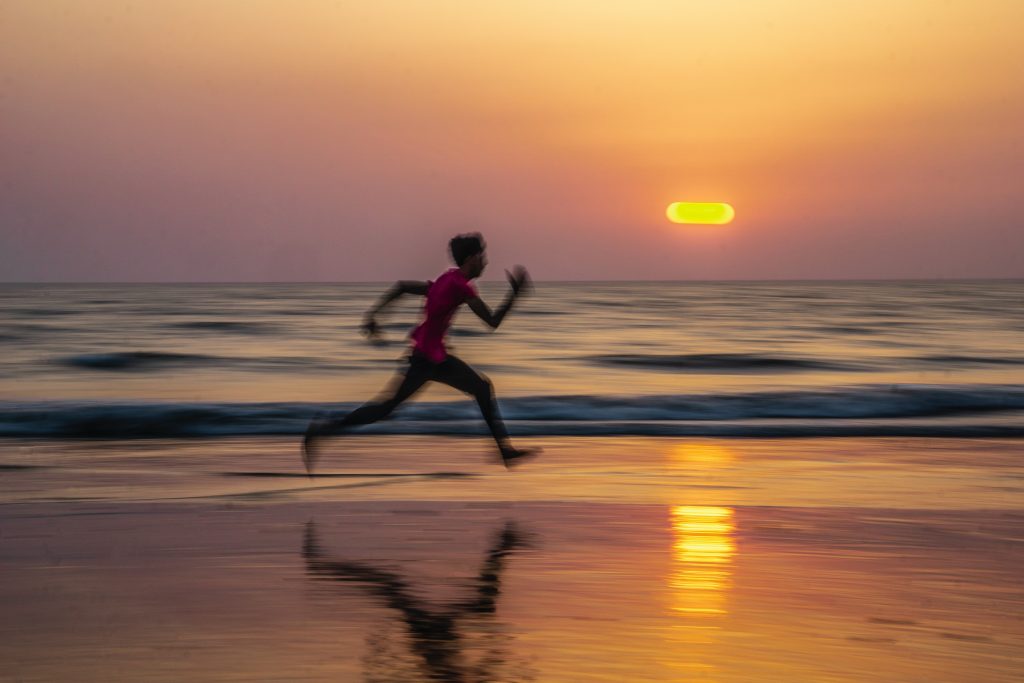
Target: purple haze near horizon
{"type": "Point", "coordinates": [228, 142]}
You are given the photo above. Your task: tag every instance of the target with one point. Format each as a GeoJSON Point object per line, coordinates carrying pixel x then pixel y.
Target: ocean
{"type": "Point", "coordinates": [754, 359]}
{"type": "Point", "coordinates": [691, 517]}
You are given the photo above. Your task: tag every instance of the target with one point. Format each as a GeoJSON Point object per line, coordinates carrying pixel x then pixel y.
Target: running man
{"type": "Point", "coordinates": [429, 359]}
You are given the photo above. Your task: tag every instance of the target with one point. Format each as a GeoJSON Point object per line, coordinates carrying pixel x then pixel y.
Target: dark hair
{"type": "Point", "coordinates": [466, 245]}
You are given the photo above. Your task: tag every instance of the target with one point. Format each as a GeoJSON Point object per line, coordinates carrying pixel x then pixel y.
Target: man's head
{"type": "Point", "coordinates": [468, 252]}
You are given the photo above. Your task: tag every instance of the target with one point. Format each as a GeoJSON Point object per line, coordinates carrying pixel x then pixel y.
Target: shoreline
{"type": "Point", "coordinates": [811, 472]}
{"type": "Point", "coordinates": [419, 558]}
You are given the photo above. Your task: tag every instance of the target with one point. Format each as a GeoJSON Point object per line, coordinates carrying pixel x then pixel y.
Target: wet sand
{"type": "Point", "coordinates": [605, 560]}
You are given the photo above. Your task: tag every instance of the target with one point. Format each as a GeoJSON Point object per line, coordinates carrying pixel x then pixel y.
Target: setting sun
{"type": "Point", "coordinates": [700, 213]}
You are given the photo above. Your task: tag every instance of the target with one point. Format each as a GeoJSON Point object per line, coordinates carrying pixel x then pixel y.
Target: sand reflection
{"type": "Point", "coordinates": [458, 641]}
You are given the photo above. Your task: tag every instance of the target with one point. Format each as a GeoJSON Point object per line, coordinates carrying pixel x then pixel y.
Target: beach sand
{"type": "Point", "coordinates": [417, 559]}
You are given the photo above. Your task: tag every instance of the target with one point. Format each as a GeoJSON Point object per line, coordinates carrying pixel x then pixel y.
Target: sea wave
{"type": "Point", "coordinates": [42, 312]}
{"type": "Point", "coordinates": [721, 362]}
{"type": "Point", "coordinates": [953, 361]}
{"type": "Point", "coordinates": [225, 326]}
{"type": "Point", "coordinates": [905, 410]}
{"type": "Point", "coordinates": [146, 361]}
{"type": "Point", "coordinates": [133, 360]}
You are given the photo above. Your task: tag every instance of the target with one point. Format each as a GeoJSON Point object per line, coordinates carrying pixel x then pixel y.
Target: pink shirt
{"type": "Point", "coordinates": [444, 296]}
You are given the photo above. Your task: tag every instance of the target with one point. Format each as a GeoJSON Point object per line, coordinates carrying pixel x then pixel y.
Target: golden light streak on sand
{"type": "Point", "coordinates": [703, 454]}
{"type": "Point", "coordinates": [702, 553]}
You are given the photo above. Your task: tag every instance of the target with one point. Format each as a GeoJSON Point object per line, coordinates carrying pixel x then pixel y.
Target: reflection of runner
{"type": "Point", "coordinates": [435, 633]}
{"type": "Point", "coordinates": [429, 360]}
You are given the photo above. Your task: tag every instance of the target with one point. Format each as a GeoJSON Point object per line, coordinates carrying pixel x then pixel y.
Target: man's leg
{"type": "Point", "coordinates": [418, 373]}
{"type": "Point", "coordinates": [455, 373]}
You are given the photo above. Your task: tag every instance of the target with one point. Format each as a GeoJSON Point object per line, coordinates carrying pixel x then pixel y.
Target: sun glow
{"type": "Point", "coordinates": [700, 213]}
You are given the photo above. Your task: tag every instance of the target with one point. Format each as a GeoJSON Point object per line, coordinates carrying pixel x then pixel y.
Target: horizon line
{"type": "Point", "coordinates": [579, 281]}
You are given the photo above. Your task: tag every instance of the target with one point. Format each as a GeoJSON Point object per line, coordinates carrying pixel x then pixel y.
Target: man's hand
{"type": "Point", "coordinates": [371, 329]}
{"type": "Point", "coordinates": [519, 280]}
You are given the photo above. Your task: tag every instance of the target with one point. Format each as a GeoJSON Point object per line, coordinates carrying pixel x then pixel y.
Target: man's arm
{"type": "Point", "coordinates": [483, 311]}
{"type": "Point", "coordinates": [398, 289]}
{"type": "Point", "coordinates": [370, 327]}
{"type": "Point", "coordinates": [519, 281]}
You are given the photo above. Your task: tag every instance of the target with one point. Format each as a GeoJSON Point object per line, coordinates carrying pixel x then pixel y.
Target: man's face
{"type": "Point", "coordinates": [477, 264]}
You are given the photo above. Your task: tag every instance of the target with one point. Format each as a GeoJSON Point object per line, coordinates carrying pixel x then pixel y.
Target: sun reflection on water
{"type": "Point", "coordinates": [702, 555]}
{"type": "Point", "coordinates": [703, 548]}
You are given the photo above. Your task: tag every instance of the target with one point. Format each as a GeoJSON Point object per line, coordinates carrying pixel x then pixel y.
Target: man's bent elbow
{"type": "Point", "coordinates": [410, 287]}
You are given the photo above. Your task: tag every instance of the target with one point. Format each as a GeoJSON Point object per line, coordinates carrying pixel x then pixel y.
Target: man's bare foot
{"type": "Point", "coordinates": [512, 457]}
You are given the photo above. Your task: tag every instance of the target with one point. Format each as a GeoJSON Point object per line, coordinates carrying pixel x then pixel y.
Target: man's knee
{"type": "Point", "coordinates": [371, 412]}
{"type": "Point", "coordinates": [484, 388]}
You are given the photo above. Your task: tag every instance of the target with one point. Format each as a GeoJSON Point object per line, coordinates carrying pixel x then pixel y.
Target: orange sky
{"type": "Point", "coordinates": [312, 140]}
